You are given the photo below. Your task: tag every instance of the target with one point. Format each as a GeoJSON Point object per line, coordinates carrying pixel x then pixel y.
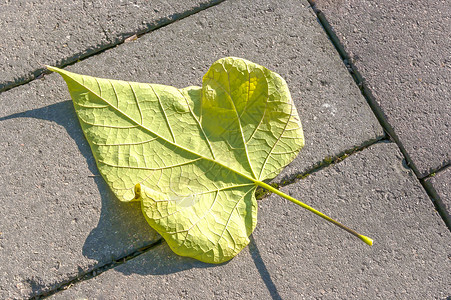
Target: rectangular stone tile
{"type": "Point", "coordinates": [41, 32]}
{"type": "Point", "coordinates": [297, 255]}
{"type": "Point", "coordinates": [403, 51]}
{"type": "Point", "coordinates": [58, 220]}
{"type": "Point", "coordinates": [440, 184]}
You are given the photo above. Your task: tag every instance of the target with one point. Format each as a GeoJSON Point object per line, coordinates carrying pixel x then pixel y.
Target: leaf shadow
{"type": "Point", "coordinates": [121, 229]}
{"type": "Point", "coordinates": [261, 267]}
{"type": "Point", "coordinates": [161, 260]}
{"type": "Point", "coordinates": [105, 243]}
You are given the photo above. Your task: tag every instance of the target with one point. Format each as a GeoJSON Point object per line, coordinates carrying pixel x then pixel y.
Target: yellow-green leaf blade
{"type": "Point", "coordinates": [192, 156]}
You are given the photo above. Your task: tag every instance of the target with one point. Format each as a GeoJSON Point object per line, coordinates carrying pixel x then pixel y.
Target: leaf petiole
{"type": "Point", "coordinates": [366, 239]}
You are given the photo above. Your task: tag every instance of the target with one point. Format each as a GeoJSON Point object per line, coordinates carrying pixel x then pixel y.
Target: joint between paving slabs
{"type": "Point", "coordinates": [93, 51]}
{"type": "Point", "coordinates": [438, 170]}
{"type": "Point", "coordinates": [367, 94]}
{"type": "Point", "coordinates": [438, 203]}
{"type": "Point", "coordinates": [360, 81]}
{"type": "Point", "coordinates": [261, 193]}
{"type": "Point", "coordinates": [96, 272]}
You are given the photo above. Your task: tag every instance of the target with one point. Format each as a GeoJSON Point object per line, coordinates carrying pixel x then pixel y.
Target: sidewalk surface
{"type": "Point", "coordinates": [371, 81]}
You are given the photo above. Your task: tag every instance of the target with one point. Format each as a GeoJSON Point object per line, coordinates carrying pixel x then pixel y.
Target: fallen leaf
{"type": "Point", "coordinates": [194, 156]}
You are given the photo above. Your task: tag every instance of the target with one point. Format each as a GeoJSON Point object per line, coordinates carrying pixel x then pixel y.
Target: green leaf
{"type": "Point", "coordinates": [192, 156]}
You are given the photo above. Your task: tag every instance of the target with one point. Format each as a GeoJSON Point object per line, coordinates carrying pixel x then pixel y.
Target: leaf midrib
{"type": "Point", "coordinates": [157, 135]}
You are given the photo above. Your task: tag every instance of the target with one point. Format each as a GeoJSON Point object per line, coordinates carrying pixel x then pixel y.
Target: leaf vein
{"type": "Point", "coordinates": [126, 144]}
{"type": "Point", "coordinates": [150, 169]}
{"type": "Point", "coordinates": [261, 121]}
{"type": "Point", "coordinates": [108, 126]}
{"type": "Point", "coordinates": [91, 106]}
{"type": "Point", "coordinates": [164, 114]}
{"type": "Point", "coordinates": [230, 216]}
{"type": "Point", "coordinates": [278, 139]}
{"type": "Point", "coordinates": [199, 124]}
{"type": "Point", "coordinates": [137, 103]}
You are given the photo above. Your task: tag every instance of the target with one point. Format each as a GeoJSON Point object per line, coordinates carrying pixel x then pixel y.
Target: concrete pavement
{"type": "Point", "coordinates": [64, 234]}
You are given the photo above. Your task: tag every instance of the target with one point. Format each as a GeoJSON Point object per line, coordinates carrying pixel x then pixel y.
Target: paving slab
{"type": "Point", "coordinates": [39, 32]}
{"type": "Point", "coordinates": [403, 51]}
{"type": "Point", "coordinates": [299, 256]}
{"type": "Point", "coordinates": [441, 185]}
{"type": "Point", "coordinates": [59, 220]}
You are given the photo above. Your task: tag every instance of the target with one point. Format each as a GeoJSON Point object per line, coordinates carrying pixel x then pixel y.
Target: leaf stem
{"type": "Point", "coordinates": [366, 239]}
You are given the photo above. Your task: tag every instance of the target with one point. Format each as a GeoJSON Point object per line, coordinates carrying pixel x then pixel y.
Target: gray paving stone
{"type": "Point", "coordinates": [300, 256]}
{"type": "Point", "coordinates": [39, 32]}
{"type": "Point", "coordinates": [441, 183]}
{"type": "Point", "coordinates": [403, 51]}
{"type": "Point", "coordinates": [58, 221]}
